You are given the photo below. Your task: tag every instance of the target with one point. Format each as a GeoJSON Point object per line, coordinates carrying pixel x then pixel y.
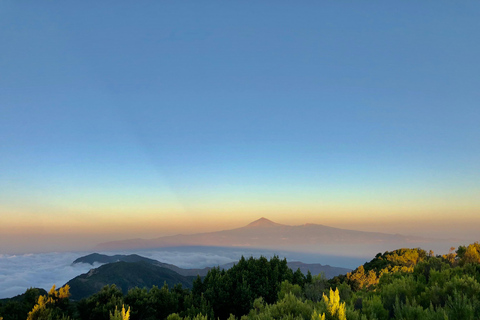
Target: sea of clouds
{"type": "Point", "coordinates": [42, 270]}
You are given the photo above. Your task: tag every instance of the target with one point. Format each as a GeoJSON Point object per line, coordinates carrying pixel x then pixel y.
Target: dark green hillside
{"type": "Point", "coordinates": [125, 275]}
{"type": "Point", "coordinates": [29, 295]}
{"type": "Point", "coordinates": [102, 258]}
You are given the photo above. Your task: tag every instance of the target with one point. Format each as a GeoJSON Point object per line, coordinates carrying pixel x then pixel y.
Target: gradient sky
{"type": "Point", "coordinates": [123, 120]}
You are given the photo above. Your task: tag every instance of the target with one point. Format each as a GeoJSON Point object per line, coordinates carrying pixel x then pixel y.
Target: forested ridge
{"type": "Point", "coordinates": [400, 284]}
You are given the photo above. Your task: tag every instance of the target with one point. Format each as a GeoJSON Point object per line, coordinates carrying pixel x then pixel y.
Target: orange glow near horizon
{"type": "Point", "coordinates": [90, 220]}
{"type": "Point", "coordinates": [150, 223]}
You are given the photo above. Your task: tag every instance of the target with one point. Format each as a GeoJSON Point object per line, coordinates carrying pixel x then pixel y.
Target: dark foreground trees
{"type": "Point", "coordinates": [17, 308]}
{"type": "Point", "coordinates": [233, 291]}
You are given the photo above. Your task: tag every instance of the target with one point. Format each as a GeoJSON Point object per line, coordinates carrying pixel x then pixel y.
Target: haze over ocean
{"type": "Point", "coordinates": [122, 121]}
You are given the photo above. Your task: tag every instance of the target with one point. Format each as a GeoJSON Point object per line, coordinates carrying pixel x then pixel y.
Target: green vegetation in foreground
{"type": "Point", "coordinates": [401, 284]}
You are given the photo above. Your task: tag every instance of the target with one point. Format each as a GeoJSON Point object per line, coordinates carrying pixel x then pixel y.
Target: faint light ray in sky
{"type": "Point", "coordinates": [206, 117]}
{"type": "Point", "coordinates": [145, 146]}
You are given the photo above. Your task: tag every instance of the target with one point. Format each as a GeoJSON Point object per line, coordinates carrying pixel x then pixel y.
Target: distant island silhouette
{"type": "Point", "coordinates": [264, 233]}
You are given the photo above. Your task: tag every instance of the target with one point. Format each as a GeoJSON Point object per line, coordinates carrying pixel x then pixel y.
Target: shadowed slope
{"type": "Point", "coordinates": [125, 275]}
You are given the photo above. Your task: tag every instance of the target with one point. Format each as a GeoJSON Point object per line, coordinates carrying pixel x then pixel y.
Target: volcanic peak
{"type": "Point", "coordinates": [263, 223]}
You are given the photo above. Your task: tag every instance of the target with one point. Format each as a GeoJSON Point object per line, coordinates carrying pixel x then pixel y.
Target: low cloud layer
{"type": "Point", "coordinates": [42, 270]}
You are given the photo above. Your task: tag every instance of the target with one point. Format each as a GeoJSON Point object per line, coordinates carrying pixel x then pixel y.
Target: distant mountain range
{"type": "Point", "coordinates": [314, 268]}
{"type": "Point", "coordinates": [102, 258]}
{"type": "Point", "coordinates": [264, 233]}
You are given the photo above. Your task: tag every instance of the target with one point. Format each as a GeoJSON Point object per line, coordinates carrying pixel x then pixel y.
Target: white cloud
{"type": "Point", "coordinates": [42, 270]}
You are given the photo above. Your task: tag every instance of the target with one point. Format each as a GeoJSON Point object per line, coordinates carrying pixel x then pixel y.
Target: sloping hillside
{"type": "Point", "coordinates": [125, 275]}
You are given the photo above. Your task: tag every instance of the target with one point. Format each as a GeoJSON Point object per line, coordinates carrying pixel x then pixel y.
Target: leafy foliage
{"type": "Point", "coordinates": [101, 304]}
{"type": "Point", "coordinates": [401, 260]}
{"type": "Point", "coordinates": [289, 307]}
{"type": "Point", "coordinates": [120, 315]}
{"type": "Point", "coordinates": [335, 308]}
{"type": "Point", "coordinates": [51, 306]}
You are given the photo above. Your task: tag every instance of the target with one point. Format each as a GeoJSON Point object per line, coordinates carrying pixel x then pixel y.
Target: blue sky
{"type": "Point", "coordinates": [212, 114]}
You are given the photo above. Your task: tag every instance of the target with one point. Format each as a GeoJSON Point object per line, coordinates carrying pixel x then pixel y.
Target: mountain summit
{"type": "Point", "coordinates": [264, 233]}
{"type": "Point", "coordinates": [263, 223]}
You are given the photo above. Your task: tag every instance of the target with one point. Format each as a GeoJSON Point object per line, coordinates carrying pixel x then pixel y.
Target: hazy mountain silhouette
{"type": "Point", "coordinates": [314, 268]}
{"type": "Point", "coordinates": [102, 258]}
{"type": "Point", "coordinates": [264, 233]}
{"type": "Point", "coordinates": [264, 223]}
